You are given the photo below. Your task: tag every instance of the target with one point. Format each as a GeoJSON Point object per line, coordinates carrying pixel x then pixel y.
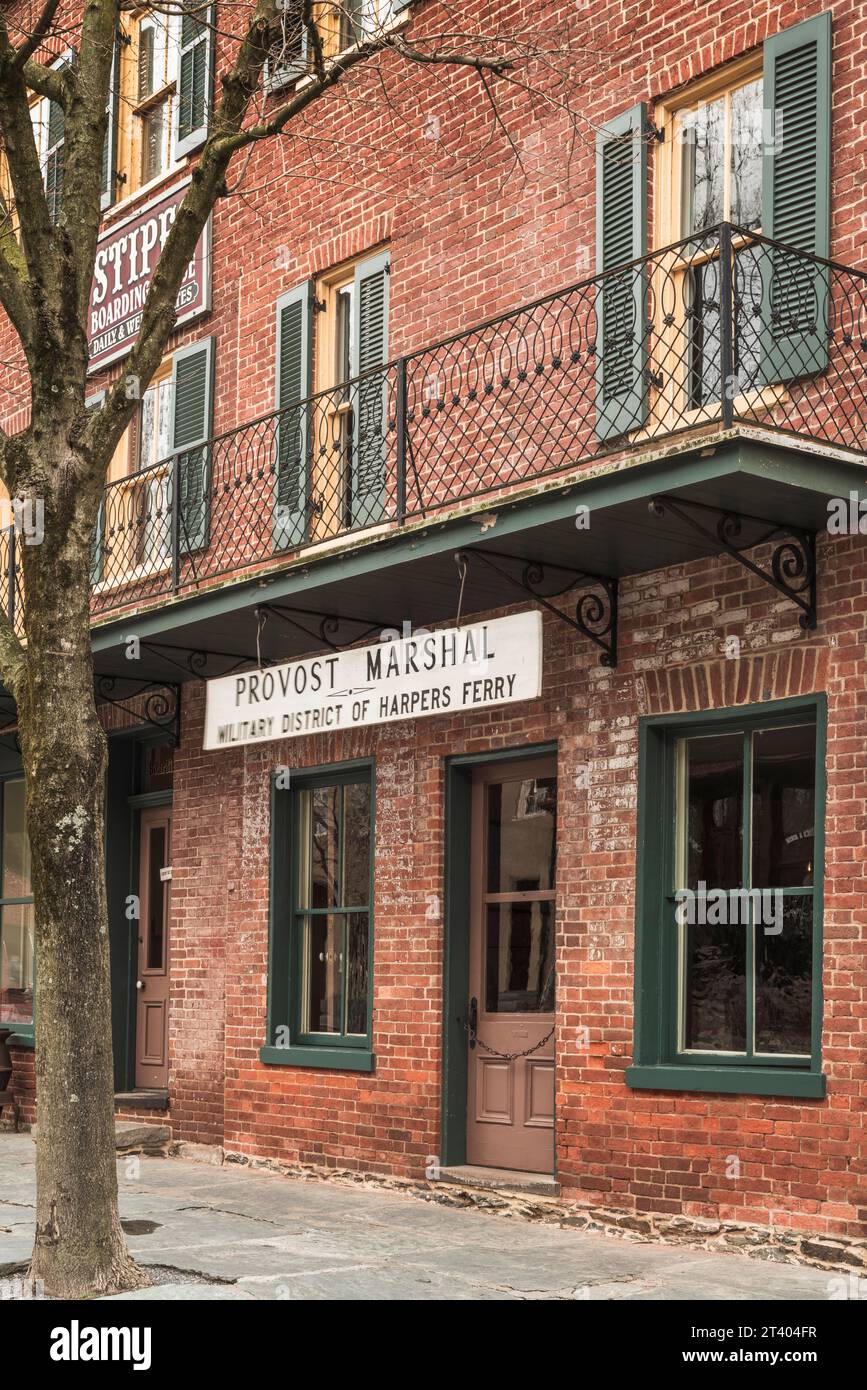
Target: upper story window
{"type": "Point", "coordinates": [159, 95]}
{"type": "Point", "coordinates": [49, 122]}
{"type": "Point", "coordinates": [685, 331]}
{"type": "Point", "coordinates": [148, 65]}
{"type": "Point", "coordinates": [155, 74]}
{"type": "Point", "coordinates": [174, 417]}
{"type": "Point", "coordinates": [333, 438]}
{"type": "Point", "coordinates": [340, 26]}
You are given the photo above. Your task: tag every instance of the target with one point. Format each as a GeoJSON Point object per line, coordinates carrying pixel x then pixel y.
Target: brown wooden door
{"type": "Point", "coordinates": [510, 1104]}
{"type": "Point", "coordinates": [152, 982]}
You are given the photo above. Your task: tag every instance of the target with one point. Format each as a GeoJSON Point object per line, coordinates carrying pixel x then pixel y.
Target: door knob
{"type": "Point", "coordinates": [139, 984]}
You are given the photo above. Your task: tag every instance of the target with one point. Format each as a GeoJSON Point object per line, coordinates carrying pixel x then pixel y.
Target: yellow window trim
{"type": "Point", "coordinates": [668, 116]}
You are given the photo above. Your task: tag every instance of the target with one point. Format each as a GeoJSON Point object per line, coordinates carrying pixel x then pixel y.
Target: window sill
{"type": "Point", "coordinates": [127, 203]}
{"type": "Point", "coordinates": [744, 1081]}
{"type": "Point", "coordinates": [329, 1058]}
{"type": "Point", "coordinates": [24, 1038]}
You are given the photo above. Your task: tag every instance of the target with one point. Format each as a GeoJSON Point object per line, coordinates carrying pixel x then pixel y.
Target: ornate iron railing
{"type": "Point", "coordinates": [725, 327]}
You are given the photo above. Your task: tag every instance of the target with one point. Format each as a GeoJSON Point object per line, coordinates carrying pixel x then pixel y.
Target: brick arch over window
{"type": "Point", "coordinates": [719, 684]}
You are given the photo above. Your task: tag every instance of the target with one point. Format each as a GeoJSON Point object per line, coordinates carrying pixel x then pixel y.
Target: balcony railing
{"type": "Point", "coordinates": [724, 328]}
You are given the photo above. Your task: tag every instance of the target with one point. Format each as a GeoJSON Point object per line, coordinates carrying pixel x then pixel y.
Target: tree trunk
{"type": "Point", "coordinates": [79, 1248]}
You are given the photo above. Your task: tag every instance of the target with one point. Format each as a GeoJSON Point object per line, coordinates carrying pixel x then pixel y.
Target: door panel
{"type": "Point", "coordinates": [510, 1111]}
{"type": "Point", "coordinates": [152, 983]}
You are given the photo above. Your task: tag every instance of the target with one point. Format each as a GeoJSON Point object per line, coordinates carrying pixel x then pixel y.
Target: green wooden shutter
{"type": "Point", "coordinates": [193, 391]}
{"type": "Point", "coordinates": [621, 236]}
{"type": "Point", "coordinates": [370, 414]}
{"type": "Point", "coordinates": [195, 76]}
{"type": "Point", "coordinates": [96, 552]}
{"type": "Point", "coordinates": [55, 117]}
{"type": "Point", "coordinates": [796, 199]}
{"type": "Point", "coordinates": [294, 387]}
{"type": "Point", "coordinates": [109, 149]}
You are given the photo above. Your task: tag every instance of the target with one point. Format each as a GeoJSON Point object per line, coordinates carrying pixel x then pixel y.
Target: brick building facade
{"type": "Point", "coordinates": [703, 717]}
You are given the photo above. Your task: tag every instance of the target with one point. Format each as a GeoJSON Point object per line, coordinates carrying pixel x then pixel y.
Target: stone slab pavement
{"type": "Point", "coordinates": [230, 1232]}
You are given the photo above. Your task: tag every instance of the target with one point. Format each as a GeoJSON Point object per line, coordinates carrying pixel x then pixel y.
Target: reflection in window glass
{"type": "Point", "coordinates": [519, 957]}
{"type": "Point", "coordinates": [522, 834]}
{"type": "Point", "coordinates": [714, 776]}
{"type": "Point", "coordinates": [784, 773]}
{"type": "Point", "coordinates": [716, 988]}
{"type": "Point", "coordinates": [703, 132]}
{"type": "Point", "coordinates": [333, 829]}
{"type": "Point", "coordinates": [745, 156]}
{"type": "Point", "coordinates": [16, 850]}
{"type": "Point", "coordinates": [784, 981]}
{"type": "Point", "coordinates": [744, 954]}
{"type": "Point", "coordinates": [17, 956]}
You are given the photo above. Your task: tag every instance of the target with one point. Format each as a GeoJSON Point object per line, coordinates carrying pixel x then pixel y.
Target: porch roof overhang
{"type": "Point", "coordinates": [385, 581]}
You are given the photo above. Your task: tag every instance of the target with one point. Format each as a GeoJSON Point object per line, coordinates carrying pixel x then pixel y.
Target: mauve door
{"type": "Point", "coordinates": [152, 984]}
{"type": "Point", "coordinates": [510, 1102]}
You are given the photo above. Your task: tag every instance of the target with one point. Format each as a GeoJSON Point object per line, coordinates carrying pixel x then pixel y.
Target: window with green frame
{"type": "Point", "coordinates": [729, 901]}
{"type": "Point", "coordinates": [16, 910]}
{"type": "Point", "coordinates": [320, 976]}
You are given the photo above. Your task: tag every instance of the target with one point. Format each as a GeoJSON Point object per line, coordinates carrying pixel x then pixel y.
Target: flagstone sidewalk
{"type": "Point", "coordinates": [228, 1232]}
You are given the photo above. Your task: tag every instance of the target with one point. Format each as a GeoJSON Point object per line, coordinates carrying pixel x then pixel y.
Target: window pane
{"type": "Point", "coordinates": [323, 974]}
{"type": "Point", "coordinates": [154, 147]}
{"type": "Point", "coordinates": [702, 290]}
{"type": "Point", "coordinates": [704, 166]}
{"type": "Point", "coordinates": [322, 852]}
{"type": "Point", "coordinates": [784, 981]}
{"type": "Point", "coordinates": [154, 925]}
{"type": "Point", "coordinates": [164, 430]}
{"type": "Point", "coordinates": [356, 844]}
{"type": "Point", "coordinates": [522, 822]}
{"type": "Point", "coordinates": [784, 774]}
{"type": "Point", "coordinates": [16, 850]}
{"type": "Point", "coordinates": [715, 996]}
{"type": "Point", "coordinates": [746, 155]}
{"type": "Point", "coordinates": [519, 958]}
{"type": "Point", "coordinates": [146, 428]}
{"type": "Point", "coordinates": [747, 292]}
{"type": "Point", "coordinates": [357, 936]}
{"type": "Point", "coordinates": [714, 795]}
{"type": "Point", "coordinates": [16, 964]}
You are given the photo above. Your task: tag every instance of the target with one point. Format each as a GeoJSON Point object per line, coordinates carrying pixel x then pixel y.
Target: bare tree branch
{"type": "Point", "coordinates": [39, 31]}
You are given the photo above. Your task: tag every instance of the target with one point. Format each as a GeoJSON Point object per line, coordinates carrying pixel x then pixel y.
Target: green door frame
{"type": "Point", "coordinates": [456, 938]}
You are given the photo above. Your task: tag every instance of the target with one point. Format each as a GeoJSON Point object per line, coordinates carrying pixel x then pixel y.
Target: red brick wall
{"type": "Point", "coordinates": [802, 1163]}
{"type": "Point", "coordinates": [471, 234]}
{"type": "Point", "coordinates": [470, 237]}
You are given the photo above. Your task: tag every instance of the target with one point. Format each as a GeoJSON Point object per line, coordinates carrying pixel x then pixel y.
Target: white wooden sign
{"type": "Point", "coordinates": [425, 673]}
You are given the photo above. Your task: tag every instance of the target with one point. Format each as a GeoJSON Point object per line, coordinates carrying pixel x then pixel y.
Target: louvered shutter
{"type": "Point", "coordinates": [621, 236]}
{"type": "Point", "coordinates": [195, 76]}
{"type": "Point", "coordinates": [294, 386]}
{"type": "Point", "coordinates": [109, 149]}
{"type": "Point", "coordinates": [96, 553]}
{"type": "Point", "coordinates": [796, 185]}
{"type": "Point", "coordinates": [370, 402]}
{"type": "Point", "coordinates": [192, 394]}
{"type": "Point", "coordinates": [54, 156]}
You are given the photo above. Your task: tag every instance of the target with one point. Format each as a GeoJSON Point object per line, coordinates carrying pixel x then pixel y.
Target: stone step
{"type": "Point", "coordinates": [133, 1137]}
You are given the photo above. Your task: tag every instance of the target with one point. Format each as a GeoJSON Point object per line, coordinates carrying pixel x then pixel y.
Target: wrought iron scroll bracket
{"type": "Point", "coordinates": [160, 709]}
{"type": "Point", "coordinates": [326, 626]}
{"type": "Point", "coordinates": [792, 568]}
{"type": "Point", "coordinates": [595, 611]}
